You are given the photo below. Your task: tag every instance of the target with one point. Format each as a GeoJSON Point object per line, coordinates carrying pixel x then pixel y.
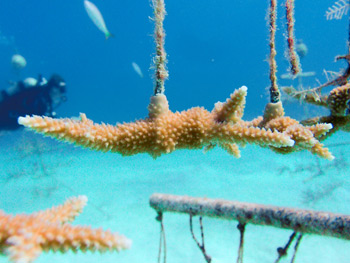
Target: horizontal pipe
{"type": "Point", "coordinates": [303, 221]}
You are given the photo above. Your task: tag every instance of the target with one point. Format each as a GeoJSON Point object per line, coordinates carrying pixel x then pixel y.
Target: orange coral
{"type": "Point", "coordinates": [164, 131]}
{"type": "Point", "coordinates": [304, 137]}
{"type": "Point", "coordinates": [23, 237]}
{"type": "Point", "coordinates": [337, 101]}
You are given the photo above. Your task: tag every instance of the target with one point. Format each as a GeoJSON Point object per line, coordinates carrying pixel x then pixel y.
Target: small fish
{"type": "Point", "coordinates": [137, 69]}
{"type": "Point", "coordinates": [96, 17]}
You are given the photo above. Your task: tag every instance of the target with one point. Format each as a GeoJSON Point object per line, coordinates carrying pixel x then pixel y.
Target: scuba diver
{"type": "Point", "coordinates": [31, 96]}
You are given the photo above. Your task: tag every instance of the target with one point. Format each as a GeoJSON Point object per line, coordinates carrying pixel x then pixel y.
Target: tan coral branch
{"type": "Point", "coordinates": [23, 237]}
{"type": "Point", "coordinates": [164, 131]}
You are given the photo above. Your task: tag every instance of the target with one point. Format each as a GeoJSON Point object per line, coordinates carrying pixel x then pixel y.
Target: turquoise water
{"type": "Point", "coordinates": [119, 189]}
{"type": "Point", "coordinates": [213, 47]}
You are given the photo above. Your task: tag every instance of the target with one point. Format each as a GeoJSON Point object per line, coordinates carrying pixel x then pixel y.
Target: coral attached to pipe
{"type": "Point", "coordinates": [165, 131]}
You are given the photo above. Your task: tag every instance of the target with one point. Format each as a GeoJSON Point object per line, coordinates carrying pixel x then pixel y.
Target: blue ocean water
{"type": "Point", "coordinates": [213, 48]}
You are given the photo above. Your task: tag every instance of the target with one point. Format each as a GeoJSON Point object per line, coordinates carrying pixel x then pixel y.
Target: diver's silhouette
{"type": "Point", "coordinates": [30, 96]}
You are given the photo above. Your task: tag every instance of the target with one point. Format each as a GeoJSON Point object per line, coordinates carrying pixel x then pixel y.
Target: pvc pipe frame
{"type": "Point", "coordinates": [302, 221]}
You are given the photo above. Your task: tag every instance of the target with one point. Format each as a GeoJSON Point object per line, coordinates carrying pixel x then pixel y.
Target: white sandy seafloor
{"type": "Point", "coordinates": [37, 173]}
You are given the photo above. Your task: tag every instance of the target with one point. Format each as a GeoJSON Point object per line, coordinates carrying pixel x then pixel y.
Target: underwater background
{"type": "Point", "coordinates": [213, 48]}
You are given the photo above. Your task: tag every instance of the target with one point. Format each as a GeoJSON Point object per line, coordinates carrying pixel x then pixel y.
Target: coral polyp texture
{"type": "Point", "coordinates": [24, 236]}
{"type": "Point", "coordinates": [165, 131]}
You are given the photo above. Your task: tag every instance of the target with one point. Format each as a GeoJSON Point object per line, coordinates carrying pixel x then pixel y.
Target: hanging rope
{"type": "Point", "coordinates": [241, 228]}
{"type": "Point", "coordinates": [161, 73]}
{"type": "Point", "coordinates": [293, 56]}
{"type": "Point", "coordinates": [282, 251]}
{"type": "Point", "coordinates": [201, 246]}
{"type": "Point", "coordinates": [162, 240]}
{"type": "Point", "coordinates": [274, 91]}
{"type": "Point", "coordinates": [296, 247]}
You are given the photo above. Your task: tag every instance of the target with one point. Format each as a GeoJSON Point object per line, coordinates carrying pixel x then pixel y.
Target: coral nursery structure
{"type": "Point", "coordinates": [164, 131]}
{"type": "Point", "coordinates": [300, 221]}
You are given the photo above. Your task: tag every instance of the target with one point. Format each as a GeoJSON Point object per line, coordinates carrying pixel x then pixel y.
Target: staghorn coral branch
{"type": "Point", "coordinates": [195, 128]}
{"type": "Point", "coordinates": [23, 237]}
{"type": "Point", "coordinates": [66, 212]}
{"type": "Point", "coordinates": [233, 108]}
{"type": "Point", "coordinates": [305, 137]}
{"type": "Point", "coordinates": [337, 101]}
